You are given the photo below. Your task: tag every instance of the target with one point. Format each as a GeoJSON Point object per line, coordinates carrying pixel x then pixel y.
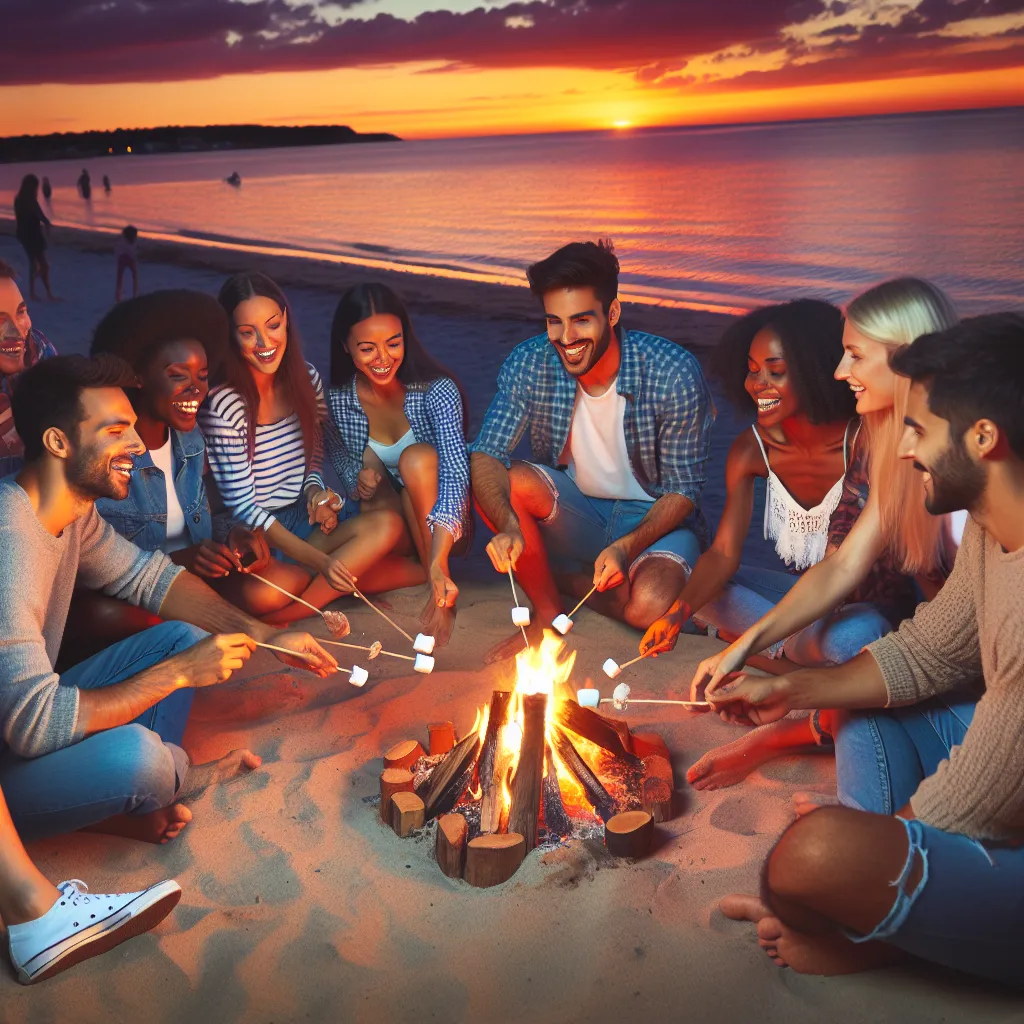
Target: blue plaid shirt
{"type": "Point", "coordinates": [434, 412]}
{"type": "Point", "coordinates": [669, 413]}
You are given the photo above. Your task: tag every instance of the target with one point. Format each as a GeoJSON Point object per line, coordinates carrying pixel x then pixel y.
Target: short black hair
{"type": "Point", "coordinates": [49, 394]}
{"type": "Point", "coordinates": [973, 371]}
{"type": "Point", "coordinates": [130, 233]}
{"type": "Point", "coordinates": [811, 333]}
{"type": "Point", "coordinates": [578, 265]}
{"type": "Point", "coordinates": [135, 329]}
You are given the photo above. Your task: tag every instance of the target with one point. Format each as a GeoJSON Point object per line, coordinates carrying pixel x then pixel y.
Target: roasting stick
{"type": "Point", "coordinates": [361, 647]}
{"type": "Point", "coordinates": [381, 613]}
{"type": "Point", "coordinates": [301, 655]}
{"type": "Point", "coordinates": [583, 601]}
{"type": "Point", "coordinates": [564, 623]}
{"type": "Point", "coordinates": [645, 700]}
{"type": "Point", "coordinates": [515, 597]}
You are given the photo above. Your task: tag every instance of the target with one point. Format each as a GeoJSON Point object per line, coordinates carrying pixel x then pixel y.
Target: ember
{"type": "Point", "coordinates": [536, 768]}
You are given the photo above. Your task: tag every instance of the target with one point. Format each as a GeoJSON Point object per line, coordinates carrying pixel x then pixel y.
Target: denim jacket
{"type": "Point", "coordinates": [142, 516]}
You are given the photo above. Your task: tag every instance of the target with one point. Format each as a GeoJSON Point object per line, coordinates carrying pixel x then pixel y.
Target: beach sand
{"type": "Point", "coordinates": [298, 905]}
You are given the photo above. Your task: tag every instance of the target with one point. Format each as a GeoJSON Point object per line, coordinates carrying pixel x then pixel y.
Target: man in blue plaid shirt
{"type": "Point", "coordinates": [620, 424]}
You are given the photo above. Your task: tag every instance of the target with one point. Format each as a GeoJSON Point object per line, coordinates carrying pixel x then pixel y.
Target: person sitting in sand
{"type": "Point", "coordinates": [99, 746]}
{"type": "Point", "coordinates": [32, 228]}
{"type": "Point", "coordinates": [884, 546]}
{"type": "Point", "coordinates": [399, 440]}
{"type": "Point", "coordinates": [166, 337]}
{"type": "Point", "coordinates": [620, 424]}
{"type": "Point", "coordinates": [778, 362]}
{"type": "Point", "coordinates": [263, 426]}
{"type": "Point", "coordinates": [21, 346]}
{"type": "Point", "coordinates": [127, 257]}
{"type": "Point", "coordinates": [926, 857]}
{"type": "Point", "coordinates": [53, 927]}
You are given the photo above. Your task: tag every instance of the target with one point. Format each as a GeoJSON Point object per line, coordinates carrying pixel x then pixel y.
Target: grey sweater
{"type": "Point", "coordinates": [38, 573]}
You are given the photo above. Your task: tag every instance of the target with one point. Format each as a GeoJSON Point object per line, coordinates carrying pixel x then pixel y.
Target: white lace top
{"type": "Point", "coordinates": [800, 534]}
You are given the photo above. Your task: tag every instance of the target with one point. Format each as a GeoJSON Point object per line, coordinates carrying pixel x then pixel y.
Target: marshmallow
{"type": "Point", "coordinates": [611, 668]}
{"type": "Point", "coordinates": [562, 623]}
{"type": "Point", "coordinates": [423, 663]}
{"type": "Point", "coordinates": [620, 697]}
{"type": "Point", "coordinates": [423, 644]}
{"type": "Point", "coordinates": [358, 676]}
{"type": "Point", "coordinates": [375, 648]}
{"type": "Point", "coordinates": [521, 616]}
{"type": "Point", "coordinates": [588, 698]}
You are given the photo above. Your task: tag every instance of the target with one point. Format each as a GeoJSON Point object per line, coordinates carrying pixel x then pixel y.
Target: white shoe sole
{"type": "Point", "coordinates": [146, 911]}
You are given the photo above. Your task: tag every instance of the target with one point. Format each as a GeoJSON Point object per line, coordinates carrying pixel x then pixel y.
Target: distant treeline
{"type": "Point", "coordinates": [67, 145]}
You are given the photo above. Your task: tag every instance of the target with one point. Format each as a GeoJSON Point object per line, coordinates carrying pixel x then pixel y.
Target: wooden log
{"type": "Point", "coordinates": [392, 781]}
{"type": "Point", "coordinates": [404, 754]}
{"type": "Point", "coordinates": [658, 767]}
{"type": "Point", "coordinates": [629, 834]}
{"type": "Point", "coordinates": [494, 763]}
{"type": "Point", "coordinates": [524, 814]}
{"type": "Point", "coordinates": [442, 737]}
{"type": "Point", "coordinates": [493, 859]}
{"type": "Point", "coordinates": [594, 727]}
{"type": "Point", "coordinates": [556, 820]}
{"type": "Point", "coordinates": [624, 734]}
{"type": "Point", "coordinates": [656, 797]}
{"type": "Point", "coordinates": [407, 813]}
{"type": "Point", "coordinates": [598, 796]}
{"type": "Point", "coordinates": [450, 848]}
{"type": "Point", "coordinates": [450, 777]}
{"type": "Point", "coordinates": [645, 743]}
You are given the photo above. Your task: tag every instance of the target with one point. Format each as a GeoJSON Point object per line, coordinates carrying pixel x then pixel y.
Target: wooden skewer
{"type": "Point", "coordinates": [684, 703]}
{"type": "Point", "coordinates": [583, 601]}
{"type": "Point", "coordinates": [381, 613]}
{"type": "Point", "coordinates": [515, 597]}
{"type": "Point", "coordinates": [361, 647]}
{"type": "Point", "coordinates": [286, 593]}
{"type": "Point", "coordinates": [633, 662]}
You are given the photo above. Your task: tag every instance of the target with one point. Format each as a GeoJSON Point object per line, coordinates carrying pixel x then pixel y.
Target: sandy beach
{"type": "Point", "coordinates": [300, 906]}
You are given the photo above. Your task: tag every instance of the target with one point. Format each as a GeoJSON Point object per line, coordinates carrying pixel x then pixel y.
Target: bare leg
{"type": "Point", "coordinates": [832, 870]}
{"type": "Point", "coordinates": [135, 280]}
{"type": "Point", "coordinates": [257, 598]}
{"type": "Point", "coordinates": [24, 893]}
{"type": "Point", "coordinates": [44, 273]}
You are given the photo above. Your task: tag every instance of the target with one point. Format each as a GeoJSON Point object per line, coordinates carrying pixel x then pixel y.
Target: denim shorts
{"type": "Point", "coordinates": [295, 519]}
{"type": "Point", "coordinates": [579, 527]}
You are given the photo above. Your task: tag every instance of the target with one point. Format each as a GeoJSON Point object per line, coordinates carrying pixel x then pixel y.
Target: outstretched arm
{"type": "Point", "coordinates": [493, 491]}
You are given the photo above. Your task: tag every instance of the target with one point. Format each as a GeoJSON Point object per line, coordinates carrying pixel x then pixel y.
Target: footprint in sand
{"type": "Point", "coordinates": [742, 817]}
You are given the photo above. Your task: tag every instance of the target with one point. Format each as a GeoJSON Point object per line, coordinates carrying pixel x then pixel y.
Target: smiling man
{"type": "Point", "coordinates": [100, 745]}
{"type": "Point", "coordinates": [620, 423]}
{"type": "Point", "coordinates": [926, 856]}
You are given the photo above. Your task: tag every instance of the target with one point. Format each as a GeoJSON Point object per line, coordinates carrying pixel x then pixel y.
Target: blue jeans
{"type": "Point", "coordinates": [832, 640]}
{"type": "Point", "coordinates": [966, 913]}
{"type": "Point", "coordinates": [579, 528]}
{"type": "Point", "coordinates": [132, 769]}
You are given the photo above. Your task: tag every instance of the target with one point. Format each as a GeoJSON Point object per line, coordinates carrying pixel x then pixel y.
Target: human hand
{"type": "Point", "coordinates": [322, 507]}
{"type": "Point", "coordinates": [661, 636]}
{"type": "Point", "coordinates": [611, 568]}
{"type": "Point", "coordinates": [213, 659]}
{"type": "Point", "coordinates": [445, 592]}
{"type": "Point", "coordinates": [339, 575]}
{"type": "Point", "coordinates": [367, 483]}
{"type": "Point", "coordinates": [309, 654]}
{"type": "Point", "coordinates": [214, 561]}
{"type": "Point", "coordinates": [743, 698]}
{"type": "Point", "coordinates": [244, 542]}
{"type": "Point", "coordinates": [505, 548]}
{"type": "Point", "coordinates": [712, 669]}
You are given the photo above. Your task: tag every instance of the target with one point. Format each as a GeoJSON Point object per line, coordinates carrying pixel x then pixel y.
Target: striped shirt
{"type": "Point", "coordinates": [277, 474]}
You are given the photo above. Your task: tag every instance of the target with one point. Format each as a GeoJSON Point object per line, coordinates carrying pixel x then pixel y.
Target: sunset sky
{"type": "Point", "coordinates": [424, 68]}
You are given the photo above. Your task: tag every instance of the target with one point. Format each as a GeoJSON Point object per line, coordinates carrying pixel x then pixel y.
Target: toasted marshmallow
{"type": "Point", "coordinates": [611, 668]}
{"type": "Point", "coordinates": [588, 698]}
{"type": "Point", "coordinates": [620, 697]}
{"type": "Point", "coordinates": [562, 623]}
{"type": "Point", "coordinates": [423, 663]}
{"type": "Point", "coordinates": [358, 676]}
{"type": "Point", "coordinates": [423, 644]}
{"type": "Point", "coordinates": [521, 616]}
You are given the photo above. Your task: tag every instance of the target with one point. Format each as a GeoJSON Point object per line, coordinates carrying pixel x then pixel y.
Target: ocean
{"type": "Point", "coordinates": [711, 218]}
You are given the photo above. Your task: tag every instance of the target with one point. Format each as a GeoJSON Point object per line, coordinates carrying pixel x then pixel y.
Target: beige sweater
{"type": "Point", "coordinates": [972, 633]}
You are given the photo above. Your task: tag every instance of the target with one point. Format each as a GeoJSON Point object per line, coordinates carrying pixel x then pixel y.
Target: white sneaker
{"type": "Point", "coordinates": [83, 924]}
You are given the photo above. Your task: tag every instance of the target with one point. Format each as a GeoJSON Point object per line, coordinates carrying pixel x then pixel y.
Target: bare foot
{"type": "Point", "coordinates": [438, 622]}
{"type": "Point", "coordinates": [157, 827]}
{"type": "Point", "coordinates": [230, 767]}
{"type": "Point", "coordinates": [511, 646]}
{"type": "Point", "coordinates": [804, 803]}
{"type": "Point", "coordinates": [822, 953]}
{"type": "Point", "coordinates": [731, 763]}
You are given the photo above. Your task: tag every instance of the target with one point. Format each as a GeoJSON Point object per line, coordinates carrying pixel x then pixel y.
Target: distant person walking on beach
{"type": "Point", "coordinates": [21, 346]}
{"type": "Point", "coordinates": [47, 189]}
{"type": "Point", "coordinates": [85, 185]}
{"type": "Point", "coordinates": [31, 228]}
{"type": "Point", "coordinates": [263, 426]}
{"type": "Point", "coordinates": [106, 185]}
{"type": "Point", "coordinates": [126, 254]}
{"type": "Point", "coordinates": [400, 435]}
{"type": "Point", "coordinates": [620, 427]}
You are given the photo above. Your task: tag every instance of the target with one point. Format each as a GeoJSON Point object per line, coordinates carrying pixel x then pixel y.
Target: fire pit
{"type": "Point", "coordinates": [536, 769]}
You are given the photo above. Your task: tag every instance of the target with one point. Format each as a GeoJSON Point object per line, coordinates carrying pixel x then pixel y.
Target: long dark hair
{"type": "Point", "coordinates": [292, 375]}
{"type": "Point", "coordinates": [418, 366]}
{"type": "Point", "coordinates": [28, 192]}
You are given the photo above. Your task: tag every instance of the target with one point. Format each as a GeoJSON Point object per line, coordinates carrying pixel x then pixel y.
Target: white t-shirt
{"type": "Point", "coordinates": [163, 459]}
{"type": "Point", "coordinates": [598, 460]}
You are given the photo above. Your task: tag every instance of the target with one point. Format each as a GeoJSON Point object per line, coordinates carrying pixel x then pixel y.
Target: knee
{"type": "Point", "coordinates": [147, 765]}
{"type": "Point", "coordinates": [651, 595]}
{"type": "Point", "coordinates": [418, 464]}
{"type": "Point", "coordinates": [386, 525]}
{"type": "Point", "coordinates": [180, 636]}
{"type": "Point", "coordinates": [855, 628]}
{"type": "Point", "coordinates": [805, 860]}
{"type": "Point", "coordinates": [530, 492]}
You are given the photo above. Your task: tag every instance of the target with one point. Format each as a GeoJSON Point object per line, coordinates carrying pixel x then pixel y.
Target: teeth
{"type": "Point", "coordinates": [575, 351]}
{"type": "Point", "coordinates": [381, 371]}
{"type": "Point", "coordinates": [765, 404]}
{"type": "Point", "coordinates": [266, 355]}
{"type": "Point", "coordinates": [186, 407]}
{"type": "Point", "coordinates": [856, 388]}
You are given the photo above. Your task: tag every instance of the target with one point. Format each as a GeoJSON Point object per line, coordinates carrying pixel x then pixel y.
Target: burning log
{"type": "Point", "coordinates": [406, 813]}
{"type": "Point", "coordinates": [629, 834]}
{"type": "Point", "coordinates": [442, 737]}
{"type": "Point", "coordinates": [451, 777]}
{"type": "Point", "coordinates": [656, 798]}
{"type": "Point", "coordinates": [556, 820]}
{"type": "Point", "coordinates": [491, 860]}
{"type": "Point", "coordinates": [524, 814]}
{"type": "Point", "coordinates": [403, 755]}
{"type": "Point", "coordinates": [450, 848]}
{"type": "Point", "coordinates": [592, 726]}
{"type": "Point", "coordinates": [598, 796]}
{"type": "Point", "coordinates": [392, 781]}
{"type": "Point", "coordinates": [494, 763]}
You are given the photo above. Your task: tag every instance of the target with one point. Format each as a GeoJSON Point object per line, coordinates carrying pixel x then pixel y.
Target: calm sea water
{"type": "Point", "coordinates": [719, 218]}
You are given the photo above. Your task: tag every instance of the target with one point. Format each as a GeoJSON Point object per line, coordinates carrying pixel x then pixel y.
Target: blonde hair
{"type": "Point", "coordinates": [895, 313]}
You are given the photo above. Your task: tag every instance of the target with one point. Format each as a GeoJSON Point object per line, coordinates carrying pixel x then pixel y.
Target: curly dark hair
{"type": "Point", "coordinates": [811, 332]}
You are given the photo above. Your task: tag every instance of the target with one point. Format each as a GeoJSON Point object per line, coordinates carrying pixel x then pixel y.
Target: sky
{"type": "Point", "coordinates": [435, 68]}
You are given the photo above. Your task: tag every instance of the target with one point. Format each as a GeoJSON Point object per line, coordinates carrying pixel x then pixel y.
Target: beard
{"type": "Point", "coordinates": [957, 482]}
{"type": "Point", "coordinates": [91, 477]}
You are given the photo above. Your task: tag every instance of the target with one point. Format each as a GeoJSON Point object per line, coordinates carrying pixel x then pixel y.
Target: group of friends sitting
{"type": "Point", "coordinates": [149, 485]}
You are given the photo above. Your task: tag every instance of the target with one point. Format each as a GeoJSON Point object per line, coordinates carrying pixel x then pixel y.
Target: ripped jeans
{"type": "Point", "coordinates": [966, 913]}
